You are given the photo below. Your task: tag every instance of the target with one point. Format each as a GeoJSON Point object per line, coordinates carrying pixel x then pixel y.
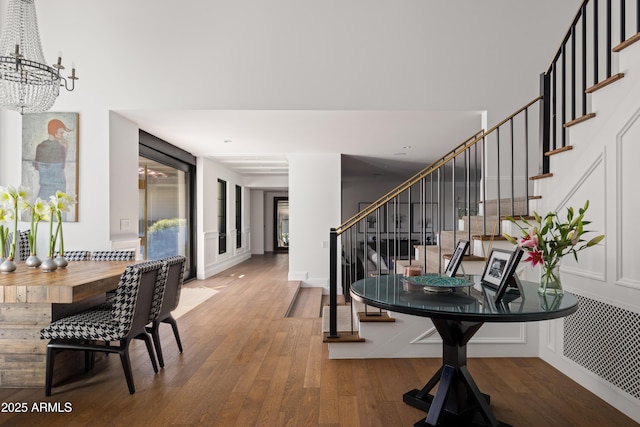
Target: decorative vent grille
{"type": "Point", "coordinates": [606, 340]}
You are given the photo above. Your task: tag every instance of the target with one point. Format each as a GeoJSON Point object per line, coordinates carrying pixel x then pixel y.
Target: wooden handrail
{"type": "Point", "coordinates": [479, 136]}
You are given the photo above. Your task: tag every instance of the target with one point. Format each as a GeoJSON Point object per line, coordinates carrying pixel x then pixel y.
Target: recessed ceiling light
{"type": "Point", "coordinates": [227, 141]}
{"type": "Point", "coordinates": [399, 154]}
{"type": "Point", "coordinates": [406, 147]}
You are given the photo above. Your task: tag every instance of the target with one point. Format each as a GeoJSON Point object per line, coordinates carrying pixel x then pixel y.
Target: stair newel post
{"type": "Point", "coordinates": [545, 120]}
{"type": "Point", "coordinates": [333, 284]}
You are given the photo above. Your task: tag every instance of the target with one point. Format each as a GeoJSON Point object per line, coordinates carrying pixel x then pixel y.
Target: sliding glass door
{"type": "Point", "coordinates": [166, 225]}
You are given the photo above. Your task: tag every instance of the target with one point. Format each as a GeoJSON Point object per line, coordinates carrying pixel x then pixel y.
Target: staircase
{"type": "Point", "coordinates": [486, 183]}
{"type": "Point", "coordinates": [589, 151]}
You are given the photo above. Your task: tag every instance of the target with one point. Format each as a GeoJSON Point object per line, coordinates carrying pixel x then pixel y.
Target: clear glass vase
{"type": "Point", "coordinates": [550, 283]}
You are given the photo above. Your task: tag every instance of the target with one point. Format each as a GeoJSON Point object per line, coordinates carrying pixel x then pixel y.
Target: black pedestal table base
{"type": "Point", "coordinates": [457, 399]}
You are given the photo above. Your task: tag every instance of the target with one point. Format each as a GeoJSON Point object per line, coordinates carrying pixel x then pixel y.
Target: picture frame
{"type": "Point", "coordinates": [370, 222]}
{"type": "Point", "coordinates": [496, 267]}
{"type": "Point", "coordinates": [456, 258]}
{"type": "Point", "coordinates": [509, 278]}
{"type": "Point", "coordinates": [398, 215]}
{"type": "Point", "coordinates": [50, 156]}
{"type": "Point", "coordinates": [424, 217]}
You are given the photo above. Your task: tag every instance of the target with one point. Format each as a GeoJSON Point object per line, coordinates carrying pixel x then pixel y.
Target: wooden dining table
{"type": "Point", "coordinates": [31, 299]}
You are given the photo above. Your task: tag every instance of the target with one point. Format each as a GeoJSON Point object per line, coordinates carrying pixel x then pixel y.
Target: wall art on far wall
{"type": "Point", "coordinates": [374, 221]}
{"type": "Point", "coordinates": [424, 217]}
{"type": "Point", "coordinates": [50, 155]}
{"type": "Point", "coordinates": [398, 217]}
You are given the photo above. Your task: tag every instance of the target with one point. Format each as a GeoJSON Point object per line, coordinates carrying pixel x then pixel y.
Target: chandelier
{"type": "Point", "coordinates": [27, 83]}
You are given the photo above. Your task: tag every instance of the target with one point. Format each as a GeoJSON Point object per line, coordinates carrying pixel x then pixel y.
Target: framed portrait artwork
{"type": "Point", "coordinates": [374, 220]}
{"type": "Point", "coordinates": [496, 267]}
{"type": "Point", "coordinates": [50, 155]}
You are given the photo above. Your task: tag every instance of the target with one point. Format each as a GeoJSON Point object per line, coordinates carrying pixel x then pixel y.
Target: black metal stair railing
{"type": "Point", "coordinates": [583, 63]}
{"type": "Point", "coordinates": [464, 183]}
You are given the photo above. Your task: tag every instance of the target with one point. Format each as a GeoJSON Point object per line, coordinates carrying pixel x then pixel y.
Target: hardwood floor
{"type": "Point", "coordinates": [246, 364]}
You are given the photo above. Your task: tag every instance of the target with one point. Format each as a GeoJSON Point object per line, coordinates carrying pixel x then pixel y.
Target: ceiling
{"type": "Point", "coordinates": [257, 142]}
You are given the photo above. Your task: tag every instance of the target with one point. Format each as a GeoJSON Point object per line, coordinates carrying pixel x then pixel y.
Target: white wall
{"type": "Point", "coordinates": [314, 207]}
{"type": "Point", "coordinates": [257, 222]}
{"type": "Point", "coordinates": [123, 174]}
{"type": "Point", "coordinates": [209, 261]}
{"type": "Point", "coordinates": [602, 168]}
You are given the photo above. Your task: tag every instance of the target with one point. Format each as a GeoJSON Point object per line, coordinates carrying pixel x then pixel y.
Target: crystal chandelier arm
{"type": "Point", "coordinates": [27, 83]}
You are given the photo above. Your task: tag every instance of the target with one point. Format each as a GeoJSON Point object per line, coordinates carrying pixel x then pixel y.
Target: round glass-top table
{"type": "Point", "coordinates": [457, 313]}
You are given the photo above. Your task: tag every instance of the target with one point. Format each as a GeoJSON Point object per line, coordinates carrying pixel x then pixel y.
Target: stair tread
{"type": "Point", "coordinates": [527, 217]}
{"type": "Point", "coordinates": [342, 337]}
{"type": "Point", "coordinates": [466, 257]}
{"type": "Point", "coordinates": [605, 82]}
{"type": "Point", "coordinates": [487, 237]}
{"type": "Point", "coordinates": [541, 176]}
{"type": "Point", "coordinates": [628, 42]}
{"type": "Point", "coordinates": [378, 317]}
{"type": "Point", "coordinates": [559, 150]}
{"type": "Point", "coordinates": [579, 120]}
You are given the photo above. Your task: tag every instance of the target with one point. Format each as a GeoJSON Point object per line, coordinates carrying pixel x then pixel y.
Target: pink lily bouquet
{"type": "Point", "coordinates": [548, 239]}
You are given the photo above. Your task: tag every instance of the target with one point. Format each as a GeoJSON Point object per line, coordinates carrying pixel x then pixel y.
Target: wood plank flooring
{"type": "Point", "coordinates": [246, 364]}
{"type": "Point", "coordinates": [307, 303]}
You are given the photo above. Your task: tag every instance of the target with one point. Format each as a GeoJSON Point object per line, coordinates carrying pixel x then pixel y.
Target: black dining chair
{"type": "Point", "coordinates": [94, 330]}
{"type": "Point", "coordinates": [161, 313]}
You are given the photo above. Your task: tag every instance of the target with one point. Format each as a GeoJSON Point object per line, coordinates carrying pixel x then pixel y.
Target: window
{"type": "Point", "coordinates": [238, 216]}
{"type": "Point", "coordinates": [222, 216]}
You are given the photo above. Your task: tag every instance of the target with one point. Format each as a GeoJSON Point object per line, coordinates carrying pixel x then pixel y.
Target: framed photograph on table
{"type": "Point", "coordinates": [509, 278]}
{"type": "Point", "coordinates": [496, 267]}
{"type": "Point", "coordinates": [456, 258]}
{"type": "Point", "coordinates": [374, 221]}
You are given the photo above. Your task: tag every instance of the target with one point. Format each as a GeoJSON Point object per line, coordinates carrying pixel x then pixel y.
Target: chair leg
{"type": "Point", "coordinates": [89, 359]}
{"type": "Point", "coordinates": [147, 340]}
{"type": "Point", "coordinates": [51, 354]}
{"type": "Point", "coordinates": [126, 366]}
{"type": "Point", "coordinates": [155, 335]}
{"type": "Point", "coordinates": [174, 325]}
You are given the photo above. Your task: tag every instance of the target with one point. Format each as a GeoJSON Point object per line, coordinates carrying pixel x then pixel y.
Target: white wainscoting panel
{"type": "Point", "coordinates": [628, 203]}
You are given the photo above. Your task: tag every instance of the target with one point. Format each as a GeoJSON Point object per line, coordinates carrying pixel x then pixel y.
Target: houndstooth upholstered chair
{"type": "Point", "coordinates": [76, 255]}
{"type": "Point", "coordinates": [113, 255]}
{"type": "Point", "coordinates": [23, 251]}
{"type": "Point", "coordinates": [93, 330]}
{"type": "Point", "coordinates": [164, 305]}
{"type": "Point", "coordinates": [22, 245]}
